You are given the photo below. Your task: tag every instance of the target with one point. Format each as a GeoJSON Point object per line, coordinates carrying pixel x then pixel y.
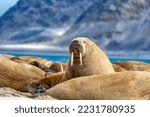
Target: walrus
{"type": "Point", "coordinates": [35, 61]}
{"type": "Point", "coordinates": [118, 68]}
{"type": "Point", "coordinates": [18, 75]}
{"type": "Point", "coordinates": [134, 65]}
{"type": "Point", "coordinates": [57, 67]}
{"type": "Point", "coordinates": [126, 85]}
{"type": "Point", "coordinates": [86, 59]}
{"type": "Point", "coordinates": [40, 60]}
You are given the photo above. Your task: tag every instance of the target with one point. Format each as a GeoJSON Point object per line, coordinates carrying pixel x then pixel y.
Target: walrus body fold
{"type": "Point", "coordinates": [126, 85]}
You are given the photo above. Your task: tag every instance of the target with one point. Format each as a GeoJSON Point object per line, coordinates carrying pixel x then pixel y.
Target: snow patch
{"type": "Point", "coordinates": [32, 47]}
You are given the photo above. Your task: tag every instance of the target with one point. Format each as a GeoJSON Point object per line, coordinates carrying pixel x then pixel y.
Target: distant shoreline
{"type": "Point", "coordinates": [63, 57]}
{"type": "Point", "coordinates": [64, 51]}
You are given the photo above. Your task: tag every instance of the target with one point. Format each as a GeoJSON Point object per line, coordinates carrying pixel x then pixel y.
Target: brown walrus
{"type": "Point", "coordinates": [115, 86]}
{"type": "Point", "coordinates": [134, 65]}
{"type": "Point", "coordinates": [40, 60]}
{"type": "Point", "coordinates": [35, 61]}
{"type": "Point", "coordinates": [56, 67]}
{"type": "Point", "coordinates": [86, 59]}
{"type": "Point", "coordinates": [18, 75]}
{"type": "Point", "coordinates": [118, 68]}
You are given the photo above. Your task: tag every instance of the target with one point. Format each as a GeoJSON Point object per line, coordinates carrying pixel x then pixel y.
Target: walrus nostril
{"type": "Point", "coordinates": [75, 41]}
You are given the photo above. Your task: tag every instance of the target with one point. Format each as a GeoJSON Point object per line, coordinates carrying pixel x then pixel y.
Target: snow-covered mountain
{"type": "Point", "coordinates": [115, 25]}
{"type": "Point", "coordinates": [32, 21]}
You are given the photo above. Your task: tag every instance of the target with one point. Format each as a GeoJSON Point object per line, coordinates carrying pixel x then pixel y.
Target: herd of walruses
{"type": "Point", "coordinates": [87, 75]}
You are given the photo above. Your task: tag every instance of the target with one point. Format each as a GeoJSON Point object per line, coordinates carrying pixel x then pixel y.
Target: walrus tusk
{"type": "Point", "coordinates": [72, 56]}
{"type": "Point", "coordinates": [61, 68]}
{"type": "Point", "coordinates": [80, 59]}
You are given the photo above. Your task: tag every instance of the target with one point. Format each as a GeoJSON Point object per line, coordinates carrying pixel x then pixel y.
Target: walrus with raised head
{"type": "Point", "coordinates": [86, 59]}
{"type": "Point", "coordinates": [114, 86]}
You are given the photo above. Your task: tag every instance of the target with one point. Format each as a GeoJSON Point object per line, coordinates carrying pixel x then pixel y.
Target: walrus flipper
{"type": "Point", "coordinates": [36, 88]}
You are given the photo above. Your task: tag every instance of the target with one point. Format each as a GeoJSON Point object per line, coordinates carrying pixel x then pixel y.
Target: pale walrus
{"type": "Point", "coordinates": [134, 65]}
{"type": "Point", "coordinates": [18, 75]}
{"type": "Point", "coordinates": [86, 59]}
{"type": "Point", "coordinates": [115, 86]}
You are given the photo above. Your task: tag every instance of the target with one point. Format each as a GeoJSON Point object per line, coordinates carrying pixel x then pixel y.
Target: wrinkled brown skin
{"type": "Point", "coordinates": [35, 61]}
{"type": "Point", "coordinates": [118, 68]}
{"type": "Point", "coordinates": [128, 85]}
{"type": "Point", "coordinates": [18, 75]}
{"type": "Point", "coordinates": [95, 62]}
{"type": "Point", "coordinates": [134, 65]}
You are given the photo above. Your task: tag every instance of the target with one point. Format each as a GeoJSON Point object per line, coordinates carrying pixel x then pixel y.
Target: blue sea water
{"type": "Point", "coordinates": [65, 57]}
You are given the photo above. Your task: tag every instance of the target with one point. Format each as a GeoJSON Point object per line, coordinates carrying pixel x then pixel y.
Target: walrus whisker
{"type": "Point", "coordinates": [61, 68]}
{"type": "Point", "coordinates": [72, 57]}
{"type": "Point", "coordinates": [80, 58]}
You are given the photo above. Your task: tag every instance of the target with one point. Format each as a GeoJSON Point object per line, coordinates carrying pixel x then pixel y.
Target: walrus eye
{"type": "Point", "coordinates": [84, 42]}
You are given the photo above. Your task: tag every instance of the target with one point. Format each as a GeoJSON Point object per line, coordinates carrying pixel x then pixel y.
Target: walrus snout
{"type": "Point", "coordinates": [77, 47]}
{"type": "Point", "coordinates": [77, 50]}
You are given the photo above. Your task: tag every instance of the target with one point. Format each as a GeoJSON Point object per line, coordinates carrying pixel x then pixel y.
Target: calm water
{"type": "Point", "coordinates": [64, 57]}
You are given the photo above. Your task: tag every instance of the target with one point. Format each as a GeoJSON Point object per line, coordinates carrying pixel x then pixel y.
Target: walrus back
{"type": "Point", "coordinates": [116, 86]}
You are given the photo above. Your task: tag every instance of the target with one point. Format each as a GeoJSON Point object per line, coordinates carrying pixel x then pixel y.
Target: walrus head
{"type": "Point", "coordinates": [86, 59]}
{"type": "Point", "coordinates": [77, 50]}
{"type": "Point", "coordinates": [57, 67]}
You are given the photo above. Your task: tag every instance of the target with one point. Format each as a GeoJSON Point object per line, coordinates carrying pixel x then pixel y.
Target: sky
{"type": "Point", "coordinates": [5, 5]}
